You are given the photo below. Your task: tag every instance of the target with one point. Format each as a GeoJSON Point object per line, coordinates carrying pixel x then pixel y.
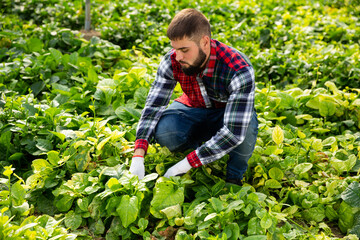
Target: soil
{"type": "Point", "coordinates": [89, 34]}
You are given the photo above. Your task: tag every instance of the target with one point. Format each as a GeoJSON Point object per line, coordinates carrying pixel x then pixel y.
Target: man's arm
{"type": "Point", "coordinates": [237, 116]}
{"type": "Point", "coordinates": [156, 102]}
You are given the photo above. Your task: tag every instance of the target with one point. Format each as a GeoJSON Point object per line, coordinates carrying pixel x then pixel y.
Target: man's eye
{"type": "Point", "coordinates": [184, 50]}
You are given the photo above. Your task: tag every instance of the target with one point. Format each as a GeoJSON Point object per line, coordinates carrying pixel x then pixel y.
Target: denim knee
{"type": "Point", "coordinates": [168, 133]}
{"type": "Point", "coordinates": [173, 140]}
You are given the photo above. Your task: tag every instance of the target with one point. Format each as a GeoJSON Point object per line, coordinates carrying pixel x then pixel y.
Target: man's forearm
{"type": "Point", "coordinates": [140, 152]}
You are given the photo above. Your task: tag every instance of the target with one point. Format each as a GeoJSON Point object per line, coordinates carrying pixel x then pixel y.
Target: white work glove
{"type": "Point", "coordinates": [181, 167]}
{"type": "Point", "coordinates": [137, 167]}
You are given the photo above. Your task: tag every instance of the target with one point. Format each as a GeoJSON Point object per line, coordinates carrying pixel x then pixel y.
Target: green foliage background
{"type": "Point", "coordinates": [69, 109]}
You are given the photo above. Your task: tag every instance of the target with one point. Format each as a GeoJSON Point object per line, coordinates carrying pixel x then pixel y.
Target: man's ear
{"type": "Point", "coordinates": [205, 42]}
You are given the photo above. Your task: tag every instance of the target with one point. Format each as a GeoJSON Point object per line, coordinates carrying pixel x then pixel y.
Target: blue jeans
{"type": "Point", "coordinates": [182, 127]}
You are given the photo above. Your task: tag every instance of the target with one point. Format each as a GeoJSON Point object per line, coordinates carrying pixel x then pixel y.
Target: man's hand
{"type": "Point", "coordinates": [181, 167]}
{"type": "Point", "coordinates": [137, 167]}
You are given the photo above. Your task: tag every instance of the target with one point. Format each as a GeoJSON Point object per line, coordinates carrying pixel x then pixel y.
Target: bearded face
{"type": "Point", "coordinates": [190, 55]}
{"type": "Point", "coordinates": [196, 67]}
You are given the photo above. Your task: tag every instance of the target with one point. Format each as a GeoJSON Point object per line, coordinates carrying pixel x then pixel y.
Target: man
{"type": "Point", "coordinates": [215, 115]}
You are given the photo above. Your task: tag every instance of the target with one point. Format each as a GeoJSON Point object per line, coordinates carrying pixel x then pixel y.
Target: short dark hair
{"type": "Point", "coordinates": [189, 23]}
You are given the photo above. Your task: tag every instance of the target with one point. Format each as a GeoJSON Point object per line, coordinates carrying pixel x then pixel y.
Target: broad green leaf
{"type": "Point", "coordinates": [273, 116]}
{"type": "Point", "coordinates": [271, 150]}
{"type": "Point", "coordinates": [327, 108]}
{"type": "Point", "coordinates": [114, 184]}
{"type": "Point", "coordinates": [126, 113]}
{"type": "Point", "coordinates": [232, 231]}
{"type": "Point", "coordinates": [191, 215]}
{"type": "Point", "coordinates": [40, 165]}
{"type": "Point", "coordinates": [329, 141]}
{"type": "Point", "coordinates": [92, 75]}
{"type": "Point", "coordinates": [301, 134]}
{"type": "Point", "coordinates": [276, 173]}
{"type": "Point", "coordinates": [356, 227]}
{"type": "Point", "coordinates": [56, 54]}
{"type": "Point", "coordinates": [253, 197]}
{"type": "Point", "coordinates": [343, 166]}
{"type": "Point", "coordinates": [316, 214]}
{"type": "Point", "coordinates": [143, 223]}
{"type": "Point", "coordinates": [102, 143]}
{"type": "Point", "coordinates": [260, 213]}
{"type": "Point", "coordinates": [287, 101]}
{"type": "Point", "coordinates": [128, 210]}
{"type": "Point", "coordinates": [265, 37]}
{"type": "Point", "coordinates": [272, 183]}
{"type": "Point", "coordinates": [210, 216]}
{"type": "Point", "coordinates": [137, 72]}
{"type": "Point", "coordinates": [317, 145]}
{"type": "Point", "coordinates": [97, 227]}
{"type": "Point", "coordinates": [150, 177]}
{"type": "Point", "coordinates": [112, 205]}
{"type": "Point", "coordinates": [166, 194]}
{"type": "Point", "coordinates": [182, 235]}
{"type": "Point", "coordinates": [5, 138]}
{"type": "Point", "coordinates": [23, 228]}
{"type": "Point", "coordinates": [64, 202]}
{"type": "Point", "coordinates": [351, 195]}
{"type": "Point", "coordinates": [332, 87]}
{"type": "Point", "coordinates": [116, 171]}
{"type": "Point", "coordinates": [254, 227]}
{"type": "Point", "coordinates": [44, 145]}
{"type": "Point", "coordinates": [83, 203]}
{"type": "Point", "coordinates": [140, 96]}
{"type": "Point", "coordinates": [73, 220]}
{"type": "Point", "coordinates": [37, 87]}
{"type": "Point", "coordinates": [53, 157]}
{"type": "Point", "coordinates": [302, 168]}
{"type": "Point", "coordinates": [82, 159]}
{"type": "Point", "coordinates": [291, 210]}
{"type": "Point", "coordinates": [60, 88]}
{"type": "Point", "coordinates": [217, 204]}
{"type": "Point", "coordinates": [330, 213]}
{"type": "Point", "coordinates": [61, 136]}
{"type": "Point", "coordinates": [304, 116]}
{"type": "Point", "coordinates": [18, 192]}
{"type": "Point", "coordinates": [21, 210]}
{"type": "Point", "coordinates": [260, 196]}
{"type": "Point", "coordinates": [266, 221]}
{"type": "Point", "coordinates": [346, 217]}
{"type": "Point", "coordinates": [235, 205]}
{"type": "Point", "coordinates": [34, 45]}
{"type": "Point", "coordinates": [356, 103]}
{"type": "Point", "coordinates": [96, 207]}
{"type": "Point", "coordinates": [172, 211]}
{"type": "Point", "coordinates": [16, 156]}
{"type": "Point", "coordinates": [313, 103]}
{"type": "Point", "coordinates": [30, 109]}
{"type": "Point", "coordinates": [278, 135]}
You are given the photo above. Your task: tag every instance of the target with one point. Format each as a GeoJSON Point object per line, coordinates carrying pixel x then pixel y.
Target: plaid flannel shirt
{"type": "Point", "coordinates": [227, 81]}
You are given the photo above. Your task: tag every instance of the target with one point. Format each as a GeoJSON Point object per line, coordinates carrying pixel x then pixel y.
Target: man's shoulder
{"type": "Point", "coordinates": [231, 57]}
{"type": "Point", "coordinates": [170, 58]}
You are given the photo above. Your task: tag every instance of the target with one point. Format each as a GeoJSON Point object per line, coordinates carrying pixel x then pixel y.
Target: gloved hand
{"type": "Point", "coordinates": [137, 167]}
{"type": "Point", "coordinates": [180, 168]}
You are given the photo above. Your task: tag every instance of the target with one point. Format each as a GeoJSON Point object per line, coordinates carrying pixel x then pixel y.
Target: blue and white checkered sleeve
{"type": "Point", "coordinates": [237, 116]}
{"type": "Point", "coordinates": [157, 99]}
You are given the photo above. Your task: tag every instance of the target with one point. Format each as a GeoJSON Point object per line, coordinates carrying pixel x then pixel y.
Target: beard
{"type": "Point", "coordinates": [195, 68]}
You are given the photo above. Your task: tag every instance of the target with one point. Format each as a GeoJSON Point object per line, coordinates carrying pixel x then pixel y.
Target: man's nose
{"type": "Point", "coordinates": [179, 56]}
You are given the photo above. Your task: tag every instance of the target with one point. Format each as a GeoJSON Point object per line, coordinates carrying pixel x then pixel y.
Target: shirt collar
{"type": "Point", "coordinates": [209, 69]}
